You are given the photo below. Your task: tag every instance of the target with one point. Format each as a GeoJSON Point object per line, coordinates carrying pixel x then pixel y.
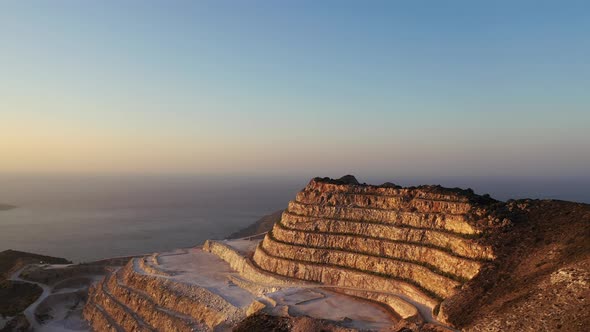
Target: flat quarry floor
{"type": "Point", "coordinates": [323, 304]}
{"type": "Point", "coordinates": [204, 269]}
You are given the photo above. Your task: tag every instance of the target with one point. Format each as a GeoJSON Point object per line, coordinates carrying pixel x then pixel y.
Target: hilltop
{"type": "Point", "coordinates": [12, 260]}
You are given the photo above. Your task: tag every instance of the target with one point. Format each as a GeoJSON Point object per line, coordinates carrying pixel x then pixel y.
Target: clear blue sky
{"type": "Point", "coordinates": [308, 87]}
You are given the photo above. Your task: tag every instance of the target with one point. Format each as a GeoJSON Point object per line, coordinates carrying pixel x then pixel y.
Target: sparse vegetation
{"type": "Point", "coordinates": [11, 259]}
{"type": "Point", "coordinates": [17, 296]}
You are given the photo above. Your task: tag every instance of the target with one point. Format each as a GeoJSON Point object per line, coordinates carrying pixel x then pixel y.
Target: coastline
{"type": "Point", "coordinates": [264, 224]}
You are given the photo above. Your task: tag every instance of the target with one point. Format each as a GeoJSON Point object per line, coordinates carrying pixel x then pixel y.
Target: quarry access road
{"type": "Point", "coordinates": [62, 318]}
{"type": "Point", "coordinates": [30, 310]}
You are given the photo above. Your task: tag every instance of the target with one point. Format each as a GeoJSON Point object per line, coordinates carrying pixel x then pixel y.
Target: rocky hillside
{"type": "Point", "coordinates": [12, 260]}
{"type": "Point", "coordinates": [452, 250]}
{"type": "Point", "coordinates": [422, 242]}
{"type": "Point", "coordinates": [540, 280]}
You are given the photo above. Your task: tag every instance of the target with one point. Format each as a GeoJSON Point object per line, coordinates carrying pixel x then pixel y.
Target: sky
{"type": "Point", "coordinates": [411, 88]}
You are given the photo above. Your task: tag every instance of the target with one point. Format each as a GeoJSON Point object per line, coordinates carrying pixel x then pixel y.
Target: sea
{"type": "Point", "coordinates": [89, 217]}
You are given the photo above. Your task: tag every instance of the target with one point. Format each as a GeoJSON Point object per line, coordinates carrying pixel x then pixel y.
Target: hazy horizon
{"type": "Point", "coordinates": [88, 217]}
{"type": "Point", "coordinates": [17, 187]}
{"type": "Point", "coordinates": [420, 89]}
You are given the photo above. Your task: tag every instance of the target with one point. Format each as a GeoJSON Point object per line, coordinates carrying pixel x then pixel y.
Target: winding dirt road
{"type": "Point", "coordinates": [30, 310]}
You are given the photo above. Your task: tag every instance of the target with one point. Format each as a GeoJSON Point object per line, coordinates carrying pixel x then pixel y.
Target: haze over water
{"type": "Point", "coordinates": [85, 217]}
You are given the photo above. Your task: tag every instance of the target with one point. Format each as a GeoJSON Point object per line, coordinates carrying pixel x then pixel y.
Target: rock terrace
{"type": "Point", "coordinates": [398, 251]}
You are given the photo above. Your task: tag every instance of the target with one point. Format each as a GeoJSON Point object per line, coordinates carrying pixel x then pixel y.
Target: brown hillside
{"type": "Point", "coordinates": [540, 280]}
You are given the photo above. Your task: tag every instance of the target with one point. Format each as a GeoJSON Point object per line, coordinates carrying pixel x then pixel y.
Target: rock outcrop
{"type": "Point", "coordinates": [421, 242]}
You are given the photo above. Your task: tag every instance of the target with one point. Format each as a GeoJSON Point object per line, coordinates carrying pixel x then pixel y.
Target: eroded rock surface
{"type": "Point", "coordinates": [421, 242]}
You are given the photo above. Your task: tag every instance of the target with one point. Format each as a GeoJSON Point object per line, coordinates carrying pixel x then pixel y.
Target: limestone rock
{"type": "Point", "coordinates": [423, 242]}
{"type": "Point", "coordinates": [255, 307]}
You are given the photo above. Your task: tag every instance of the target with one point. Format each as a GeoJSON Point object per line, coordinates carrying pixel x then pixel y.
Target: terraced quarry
{"type": "Point", "coordinates": [195, 290]}
{"type": "Point", "coordinates": [348, 257]}
{"type": "Point", "coordinates": [417, 242]}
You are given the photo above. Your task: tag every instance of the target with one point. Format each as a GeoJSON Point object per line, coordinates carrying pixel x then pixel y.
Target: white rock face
{"type": "Point", "coordinates": [214, 288]}
{"type": "Point", "coordinates": [418, 242]}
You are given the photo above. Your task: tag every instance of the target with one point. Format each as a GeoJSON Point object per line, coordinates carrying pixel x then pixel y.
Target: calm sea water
{"type": "Point", "coordinates": [85, 218]}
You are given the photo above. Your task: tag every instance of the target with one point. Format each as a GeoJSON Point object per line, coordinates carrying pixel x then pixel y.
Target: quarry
{"type": "Point", "coordinates": [346, 256]}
